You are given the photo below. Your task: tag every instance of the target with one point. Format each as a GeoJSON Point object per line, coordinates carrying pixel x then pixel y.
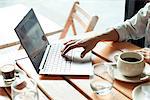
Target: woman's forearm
{"type": "Point", "coordinates": [109, 35]}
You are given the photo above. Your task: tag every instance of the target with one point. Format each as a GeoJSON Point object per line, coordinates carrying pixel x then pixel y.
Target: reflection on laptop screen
{"type": "Point", "coordinates": [34, 45]}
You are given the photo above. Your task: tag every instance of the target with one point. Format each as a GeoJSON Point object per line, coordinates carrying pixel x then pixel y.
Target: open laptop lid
{"type": "Point", "coordinates": [32, 38]}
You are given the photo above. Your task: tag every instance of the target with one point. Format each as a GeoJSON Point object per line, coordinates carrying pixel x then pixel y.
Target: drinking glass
{"type": "Point", "coordinates": [146, 91]}
{"type": "Point", "coordinates": [24, 89]}
{"type": "Point", "coordinates": [102, 86]}
{"type": "Point", "coordinates": [8, 73]}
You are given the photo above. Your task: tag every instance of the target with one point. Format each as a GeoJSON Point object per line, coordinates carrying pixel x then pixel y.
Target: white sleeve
{"type": "Point", "coordinates": [135, 27]}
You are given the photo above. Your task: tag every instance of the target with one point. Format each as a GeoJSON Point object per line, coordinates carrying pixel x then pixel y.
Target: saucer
{"type": "Point", "coordinates": [137, 93]}
{"type": "Point", "coordinates": [119, 76]}
{"type": "Point", "coordinates": [18, 74]}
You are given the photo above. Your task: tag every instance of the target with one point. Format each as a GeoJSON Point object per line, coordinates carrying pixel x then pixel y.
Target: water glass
{"type": "Point", "coordinates": [24, 89]}
{"type": "Point", "coordinates": [104, 85]}
{"type": "Point", "coordinates": [146, 91]}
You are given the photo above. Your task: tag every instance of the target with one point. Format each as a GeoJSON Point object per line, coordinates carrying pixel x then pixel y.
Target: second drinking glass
{"type": "Point", "coordinates": [24, 89]}
{"type": "Point", "coordinates": [103, 85]}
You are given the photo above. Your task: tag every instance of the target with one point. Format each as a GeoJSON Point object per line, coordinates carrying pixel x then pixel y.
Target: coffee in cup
{"type": "Point", "coordinates": [130, 64]}
{"type": "Point", "coordinates": [8, 72]}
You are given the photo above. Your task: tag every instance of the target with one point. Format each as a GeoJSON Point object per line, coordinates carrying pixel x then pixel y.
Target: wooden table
{"type": "Point", "coordinates": [77, 88]}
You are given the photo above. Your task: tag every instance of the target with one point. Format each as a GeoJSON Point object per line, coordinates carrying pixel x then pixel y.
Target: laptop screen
{"type": "Point", "coordinates": [32, 38]}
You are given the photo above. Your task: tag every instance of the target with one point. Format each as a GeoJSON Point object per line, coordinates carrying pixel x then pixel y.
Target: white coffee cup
{"type": "Point", "coordinates": [130, 63]}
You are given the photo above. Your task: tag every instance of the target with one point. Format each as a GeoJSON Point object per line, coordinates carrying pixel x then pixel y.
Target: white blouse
{"type": "Point", "coordinates": [136, 27]}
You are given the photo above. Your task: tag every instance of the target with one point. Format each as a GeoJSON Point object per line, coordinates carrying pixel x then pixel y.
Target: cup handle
{"type": "Point", "coordinates": [116, 57]}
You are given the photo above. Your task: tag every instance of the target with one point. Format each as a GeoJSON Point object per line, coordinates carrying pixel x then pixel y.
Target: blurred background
{"type": "Point", "coordinates": [110, 12]}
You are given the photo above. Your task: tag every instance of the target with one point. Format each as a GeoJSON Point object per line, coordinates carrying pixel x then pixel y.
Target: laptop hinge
{"type": "Point", "coordinates": [44, 57]}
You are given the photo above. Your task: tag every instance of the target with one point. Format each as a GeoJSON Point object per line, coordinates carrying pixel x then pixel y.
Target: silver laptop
{"type": "Point", "coordinates": [46, 57]}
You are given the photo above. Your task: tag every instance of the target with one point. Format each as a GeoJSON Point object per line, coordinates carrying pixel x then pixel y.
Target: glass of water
{"type": "Point", "coordinates": [103, 85]}
{"type": "Point", "coordinates": [24, 89]}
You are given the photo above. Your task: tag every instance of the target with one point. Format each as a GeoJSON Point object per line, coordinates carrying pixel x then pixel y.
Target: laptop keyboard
{"type": "Point", "coordinates": [55, 62]}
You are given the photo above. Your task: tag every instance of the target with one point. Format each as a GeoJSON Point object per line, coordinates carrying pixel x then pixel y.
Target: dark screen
{"type": "Point", "coordinates": [32, 38]}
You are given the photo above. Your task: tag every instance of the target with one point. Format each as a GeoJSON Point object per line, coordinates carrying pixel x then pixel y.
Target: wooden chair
{"type": "Point", "coordinates": [77, 14]}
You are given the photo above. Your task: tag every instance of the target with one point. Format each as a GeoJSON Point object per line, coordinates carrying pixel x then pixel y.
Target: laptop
{"type": "Point", "coordinates": [46, 57]}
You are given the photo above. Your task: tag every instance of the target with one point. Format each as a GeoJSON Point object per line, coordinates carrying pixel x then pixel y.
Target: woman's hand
{"type": "Point", "coordinates": [90, 41]}
{"type": "Point", "coordinates": [146, 53]}
{"type": "Point", "coordinates": [88, 44]}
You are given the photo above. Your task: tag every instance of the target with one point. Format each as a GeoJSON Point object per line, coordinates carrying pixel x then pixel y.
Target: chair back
{"type": "Point", "coordinates": [80, 16]}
